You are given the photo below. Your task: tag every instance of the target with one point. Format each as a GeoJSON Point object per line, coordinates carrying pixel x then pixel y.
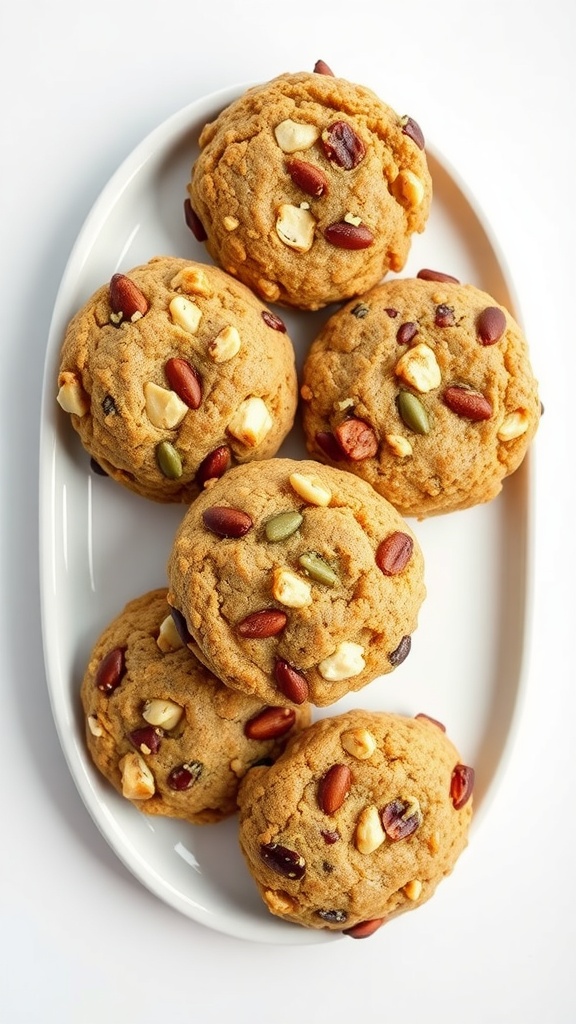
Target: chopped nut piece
{"type": "Point", "coordinates": [311, 489]}
{"type": "Point", "coordinates": [94, 726]}
{"type": "Point", "coordinates": [71, 395]}
{"type": "Point", "coordinates": [295, 227]}
{"type": "Point", "coordinates": [400, 445]}
{"type": "Point", "coordinates": [279, 902]}
{"type": "Point", "coordinates": [413, 889]}
{"type": "Point", "coordinates": [225, 345]}
{"type": "Point", "coordinates": [434, 842]}
{"type": "Point", "coordinates": [369, 833]}
{"type": "Point", "coordinates": [169, 638]}
{"type": "Point", "coordinates": [345, 403]}
{"type": "Point", "coordinates": [251, 422]}
{"type": "Point", "coordinates": [514, 425]}
{"type": "Point", "coordinates": [137, 779]}
{"type": "Point", "coordinates": [191, 280]}
{"type": "Point", "coordinates": [185, 314]}
{"type": "Point", "coordinates": [163, 407]}
{"type": "Point", "coordinates": [408, 189]}
{"type": "Point", "coordinates": [346, 661]}
{"type": "Point", "coordinates": [290, 589]}
{"type": "Point", "coordinates": [293, 135]}
{"type": "Point", "coordinates": [419, 367]}
{"type": "Point", "coordinates": [231, 223]}
{"type": "Point", "coordinates": [360, 743]}
{"type": "Point", "coordinates": [163, 713]}
{"type": "Point", "coordinates": [350, 218]}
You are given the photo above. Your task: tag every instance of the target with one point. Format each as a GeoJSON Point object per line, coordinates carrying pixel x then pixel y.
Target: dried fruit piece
{"type": "Point", "coordinates": [348, 236]}
{"type": "Point", "coordinates": [345, 662]}
{"type": "Point", "coordinates": [262, 624]}
{"type": "Point", "coordinates": [194, 223]}
{"type": "Point", "coordinates": [461, 785]}
{"type": "Point", "coordinates": [471, 405]}
{"type": "Point", "coordinates": [282, 525]}
{"type": "Point", "coordinates": [318, 568]}
{"type": "Point", "coordinates": [357, 439]}
{"type": "Point", "coordinates": [308, 177]}
{"type": "Point", "coordinates": [169, 460]}
{"type": "Point", "coordinates": [394, 553]}
{"type": "Point", "coordinates": [490, 325]}
{"type": "Point", "coordinates": [292, 683]}
{"type": "Point", "coordinates": [286, 862]}
{"type": "Point", "coordinates": [419, 368]}
{"type": "Point", "coordinates": [214, 465]}
{"type": "Point", "coordinates": [328, 443]}
{"type": "Point", "coordinates": [110, 670]}
{"type": "Point", "coordinates": [365, 928]}
{"type": "Point", "coordinates": [181, 625]}
{"type": "Point", "coordinates": [330, 836]}
{"type": "Point", "coordinates": [400, 818]}
{"type": "Point", "coordinates": [126, 300]}
{"type": "Point", "coordinates": [436, 275]}
{"type": "Point", "coordinates": [391, 312]}
{"type": "Point", "coordinates": [444, 316]}
{"type": "Point", "coordinates": [185, 775]}
{"type": "Point", "coordinates": [289, 589]}
{"type": "Point", "coordinates": [227, 521]}
{"type": "Point", "coordinates": [333, 916]}
{"type": "Point", "coordinates": [412, 129]}
{"type": "Point", "coordinates": [334, 787]}
{"type": "Point", "coordinates": [109, 407]}
{"type": "Point", "coordinates": [401, 652]}
{"type": "Point", "coordinates": [406, 332]}
{"type": "Point", "coordinates": [273, 321]}
{"type": "Point", "coordinates": [147, 739]}
{"type": "Point", "coordinates": [270, 723]}
{"type": "Point", "coordinates": [321, 68]}
{"type": "Point", "coordinates": [342, 145]}
{"type": "Point", "coordinates": [369, 834]}
{"type": "Point", "coordinates": [412, 412]}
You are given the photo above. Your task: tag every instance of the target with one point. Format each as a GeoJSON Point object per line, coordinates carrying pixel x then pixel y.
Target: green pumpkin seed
{"type": "Point", "coordinates": [283, 525]}
{"type": "Point", "coordinates": [169, 460]}
{"type": "Point", "coordinates": [318, 569]}
{"type": "Point", "coordinates": [413, 413]}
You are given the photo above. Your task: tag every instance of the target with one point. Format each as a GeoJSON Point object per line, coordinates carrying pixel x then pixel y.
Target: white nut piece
{"type": "Point", "coordinates": [164, 408]}
{"type": "Point", "coordinates": [225, 345]}
{"type": "Point", "coordinates": [251, 422]}
{"type": "Point", "coordinates": [94, 726]}
{"type": "Point", "coordinates": [311, 489]}
{"type": "Point", "coordinates": [279, 902]}
{"type": "Point", "coordinates": [163, 713]}
{"type": "Point", "coordinates": [369, 834]}
{"type": "Point", "coordinates": [413, 889]}
{"type": "Point", "coordinates": [514, 425]}
{"type": "Point", "coordinates": [290, 589]}
{"type": "Point", "coordinates": [351, 218]}
{"type": "Point", "coordinates": [168, 638]}
{"type": "Point", "coordinates": [295, 227]}
{"type": "Point", "coordinates": [400, 445]}
{"type": "Point", "coordinates": [292, 136]}
{"type": "Point", "coordinates": [408, 189]}
{"type": "Point", "coordinates": [346, 661]}
{"type": "Point", "coordinates": [71, 395]}
{"type": "Point", "coordinates": [137, 779]}
{"type": "Point", "coordinates": [231, 223]}
{"type": "Point", "coordinates": [360, 743]}
{"type": "Point", "coordinates": [185, 314]}
{"type": "Point", "coordinates": [191, 280]}
{"type": "Point", "coordinates": [419, 367]}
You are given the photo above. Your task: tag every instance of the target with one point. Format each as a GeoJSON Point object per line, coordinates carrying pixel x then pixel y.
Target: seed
{"type": "Point", "coordinates": [402, 651]}
{"type": "Point", "coordinates": [364, 929]}
{"type": "Point", "coordinates": [185, 381]}
{"type": "Point", "coordinates": [194, 223]}
{"type": "Point", "coordinates": [357, 439]}
{"type": "Point", "coordinates": [146, 740]}
{"type": "Point", "coordinates": [318, 569]}
{"type": "Point", "coordinates": [226, 521]}
{"type": "Point", "coordinates": [394, 553]}
{"type": "Point", "coordinates": [491, 325]}
{"type": "Point", "coordinates": [110, 670]}
{"type": "Point", "coordinates": [286, 862]}
{"type": "Point", "coordinates": [273, 321]}
{"type": "Point", "coordinates": [400, 818]}
{"type": "Point", "coordinates": [169, 460]}
{"type": "Point", "coordinates": [184, 775]}
{"type": "Point", "coordinates": [321, 68]}
{"type": "Point", "coordinates": [214, 465]}
{"type": "Point", "coordinates": [436, 275]}
{"type": "Point", "coordinates": [406, 332]}
{"type": "Point", "coordinates": [292, 683]}
{"type": "Point", "coordinates": [270, 723]}
{"type": "Point", "coordinates": [307, 177]}
{"type": "Point", "coordinates": [461, 785]}
{"type": "Point", "coordinates": [283, 525]}
{"type": "Point", "coordinates": [360, 310]}
{"type": "Point", "coordinates": [262, 624]}
{"type": "Point", "coordinates": [328, 443]}
{"type": "Point", "coordinates": [412, 129]}
{"type": "Point", "coordinates": [471, 405]}
{"type": "Point", "coordinates": [333, 916]}
{"type": "Point", "coordinates": [342, 145]}
{"type": "Point", "coordinates": [412, 412]}
{"type": "Point", "coordinates": [444, 316]}
{"type": "Point", "coordinates": [348, 236]}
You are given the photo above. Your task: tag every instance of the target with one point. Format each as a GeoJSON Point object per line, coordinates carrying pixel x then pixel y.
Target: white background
{"type": "Point", "coordinates": [493, 85]}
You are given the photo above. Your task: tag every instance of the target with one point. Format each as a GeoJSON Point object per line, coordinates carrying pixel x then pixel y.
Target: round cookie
{"type": "Point", "coordinates": [309, 188]}
{"type": "Point", "coordinates": [168, 735]}
{"type": "Point", "coordinates": [295, 581]}
{"type": "Point", "coordinates": [424, 389]}
{"type": "Point", "coordinates": [173, 372]}
{"type": "Point", "coordinates": [358, 821]}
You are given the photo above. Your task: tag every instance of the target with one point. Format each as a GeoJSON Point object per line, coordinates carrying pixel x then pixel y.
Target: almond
{"type": "Point", "coordinates": [309, 178]}
{"type": "Point", "coordinates": [270, 723]}
{"type": "Point", "coordinates": [394, 552]}
{"type": "Point", "coordinates": [262, 624]}
{"type": "Point", "coordinates": [334, 787]}
{"type": "Point", "coordinates": [126, 300]}
{"type": "Point", "coordinates": [471, 405]}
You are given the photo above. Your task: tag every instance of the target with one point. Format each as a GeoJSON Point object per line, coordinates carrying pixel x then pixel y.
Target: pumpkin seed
{"type": "Point", "coordinates": [318, 569]}
{"type": "Point", "coordinates": [413, 413]}
{"type": "Point", "coordinates": [169, 460]}
{"type": "Point", "coordinates": [283, 525]}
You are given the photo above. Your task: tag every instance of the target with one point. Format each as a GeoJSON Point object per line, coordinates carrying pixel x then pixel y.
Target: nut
{"type": "Point", "coordinates": [490, 325]}
{"type": "Point", "coordinates": [348, 236]}
{"type": "Point", "coordinates": [436, 275]}
{"type": "Point", "coordinates": [345, 662]}
{"type": "Point", "coordinates": [433, 721]}
{"type": "Point", "coordinates": [413, 889]}
{"type": "Point", "coordinates": [308, 177]}
{"type": "Point", "coordinates": [163, 407]}
{"type": "Point", "coordinates": [169, 460]}
{"type": "Point", "coordinates": [407, 189]}
{"type": "Point", "coordinates": [262, 624]}
{"type": "Point", "coordinates": [419, 367]}
{"type": "Point", "coordinates": [230, 223]}
{"type": "Point", "coordinates": [282, 525]}
{"type": "Point", "coordinates": [470, 405]}
{"type": "Point", "coordinates": [342, 145]}
{"type": "Point", "coordinates": [71, 395]}
{"type": "Point", "coordinates": [406, 332]}
{"type": "Point", "coordinates": [137, 779]}
{"type": "Point", "coordinates": [185, 380]}
{"type": "Point", "coordinates": [357, 439]}
{"type": "Point", "coordinates": [295, 227]}
{"type": "Point", "coordinates": [185, 313]}
{"type": "Point", "coordinates": [369, 834]}
{"type": "Point", "coordinates": [251, 422]}
{"type": "Point", "coordinates": [213, 466]}
{"type": "Point", "coordinates": [270, 723]}
{"type": "Point", "coordinates": [162, 713]}
{"type": "Point", "coordinates": [290, 682]}
{"type": "Point", "coordinates": [412, 412]}
{"type": "Point", "coordinates": [293, 135]}
{"type": "Point", "coordinates": [279, 902]}
{"type": "Point", "coordinates": [94, 726]}
{"type": "Point", "coordinates": [318, 568]}
{"type": "Point", "coordinates": [365, 928]}
{"type": "Point", "coordinates": [273, 321]}
{"type": "Point", "coordinates": [311, 489]}
{"type": "Point", "coordinates": [290, 589]}
{"type": "Point", "coordinates": [400, 445]}
{"type": "Point", "coordinates": [334, 787]}
{"type": "Point", "coordinates": [111, 670]}
{"type": "Point", "coordinates": [225, 345]}
{"type": "Point", "coordinates": [514, 425]}
{"type": "Point", "coordinates": [126, 300]}
{"type": "Point", "coordinates": [394, 553]}
{"type": "Point", "coordinates": [191, 280]}
{"type": "Point", "coordinates": [461, 785]}
{"type": "Point", "coordinates": [444, 315]}
{"type": "Point", "coordinates": [169, 638]}
{"type": "Point", "coordinates": [321, 68]}
{"type": "Point", "coordinates": [227, 521]}
{"type": "Point", "coordinates": [351, 218]}
{"type": "Point", "coordinates": [360, 743]}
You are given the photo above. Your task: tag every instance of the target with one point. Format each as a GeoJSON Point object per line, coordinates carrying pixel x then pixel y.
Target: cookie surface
{"type": "Point", "coordinates": [358, 821]}
{"type": "Point", "coordinates": [309, 189]}
{"type": "Point", "coordinates": [167, 734]}
{"type": "Point", "coordinates": [423, 388]}
{"type": "Point", "coordinates": [296, 581]}
{"type": "Point", "coordinates": [172, 373]}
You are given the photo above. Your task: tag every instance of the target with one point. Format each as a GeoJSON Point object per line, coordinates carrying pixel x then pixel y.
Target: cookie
{"type": "Point", "coordinates": [172, 373]}
{"type": "Point", "coordinates": [295, 581]}
{"type": "Point", "coordinates": [358, 821]}
{"type": "Point", "coordinates": [162, 730]}
{"type": "Point", "coordinates": [309, 188]}
{"type": "Point", "coordinates": [424, 389]}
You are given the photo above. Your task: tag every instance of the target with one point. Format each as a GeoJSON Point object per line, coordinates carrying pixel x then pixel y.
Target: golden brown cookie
{"type": "Point", "coordinates": [296, 581]}
{"type": "Point", "coordinates": [358, 821]}
{"type": "Point", "coordinates": [424, 389]}
{"type": "Point", "coordinates": [309, 188]}
{"type": "Point", "coordinates": [168, 735]}
{"type": "Point", "coordinates": [172, 373]}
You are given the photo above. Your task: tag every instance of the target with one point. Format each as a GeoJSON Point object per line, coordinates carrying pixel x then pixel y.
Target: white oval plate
{"type": "Point", "coordinates": [100, 546]}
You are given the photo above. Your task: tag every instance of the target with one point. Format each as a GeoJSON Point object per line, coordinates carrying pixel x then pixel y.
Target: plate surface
{"type": "Point", "coordinates": [100, 546]}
